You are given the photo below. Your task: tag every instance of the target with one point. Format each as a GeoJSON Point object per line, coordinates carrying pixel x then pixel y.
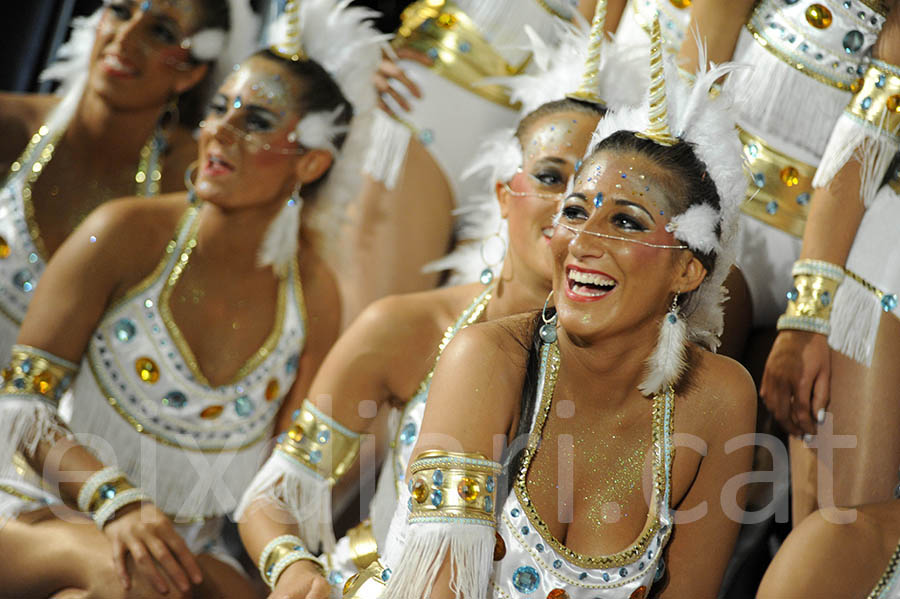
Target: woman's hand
{"type": "Point", "coordinates": [148, 535]}
{"type": "Point", "coordinates": [388, 71]}
{"type": "Point", "coordinates": [796, 381]}
{"type": "Point", "coordinates": [301, 580]}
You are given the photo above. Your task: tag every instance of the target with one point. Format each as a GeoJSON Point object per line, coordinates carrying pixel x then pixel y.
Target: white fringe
{"type": "Point", "coordinates": [73, 57]}
{"type": "Point", "coordinates": [304, 494]}
{"type": "Point", "coordinates": [471, 552]}
{"type": "Point", "coordinates": [767, 92]}
{"type": "Point", "coordinates": [855, 316]}
{"type": "Point", "coordinates": [24, 423]}
{"type": "Point", "coordinates": [387, 151]}
{"type": "Point", "coordinates": [668, 361]}
{"type": "Point", "coordinates": [873, 149]}
{"type": "Point", "coordinates": [282, 238]}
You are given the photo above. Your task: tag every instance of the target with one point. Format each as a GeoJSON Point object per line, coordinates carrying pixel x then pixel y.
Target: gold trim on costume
{"type": "Point", "coordinates": [877, 101]}
{"type": "Point", "coordinates": [452, 486]}
{"type": "Point", "coordinates": [320, 443]}
{"type": "Point", "coordinates": [780, 187]}
{"type": "Point", "coordinates": [662, 404]}
{"type": "Point", "coordinates": [32, 372]}
{"type": "Point", "coordinates": [885, 580]}
{"type": "Point", "coordinates": [363, 546]}
{"type": "Point", "coordinates": [444, 33]}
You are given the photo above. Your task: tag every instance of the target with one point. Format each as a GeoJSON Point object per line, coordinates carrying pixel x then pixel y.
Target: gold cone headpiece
{"type": "Point", "coordinates": [290, 46]}
{"type": "Point", "coordinates": [658, 130]}
{"type": "Point", "coordinates": [588, 89]}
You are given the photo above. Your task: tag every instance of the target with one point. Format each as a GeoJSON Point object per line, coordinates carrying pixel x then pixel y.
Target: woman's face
{"type": "Point", "coordinates": [616, 268]}
{"type": "Point", "coordinates": [138, 59]}
{"type": "Point", "coordinates": [247, 156]}
{"type": "Point", "coordinates": [550, 147]}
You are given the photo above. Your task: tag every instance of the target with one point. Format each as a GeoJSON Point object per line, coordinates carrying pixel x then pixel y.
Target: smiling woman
{"type": "Point", "coordinates": [181, 324]}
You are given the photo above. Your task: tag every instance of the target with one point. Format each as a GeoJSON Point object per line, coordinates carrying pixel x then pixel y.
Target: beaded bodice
{"type": "Point", "coordinates": [140, 380]}
{"type": "Point", "coordinates": [535, 562]}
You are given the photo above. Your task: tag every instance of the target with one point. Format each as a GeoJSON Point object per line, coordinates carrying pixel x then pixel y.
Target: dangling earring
{"type": "Point", "coordinates": [279, 246]}
{"type": "Point", "coordinates": [189, 182]}
{"type": "Point", "coordinates": [487, 275]}
{"type": "Point", "coordinates": [672, 316]}
{"type": "Point", "coordinates": [548, 329]}
{"type": "Point", "coordinates": [668, 361]}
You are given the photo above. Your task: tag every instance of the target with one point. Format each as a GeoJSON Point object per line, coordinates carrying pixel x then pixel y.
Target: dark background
{"type": "Point", "coordinates": [32, 30]}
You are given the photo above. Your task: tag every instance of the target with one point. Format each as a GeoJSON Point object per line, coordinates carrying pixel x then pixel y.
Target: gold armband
{"type": "Point", "coordinates": [368, 583]}
{"type": "Point", "coordinates": [363, 545]}
{"type": "Point", "coordinates": [453, 487]}
{"type": "Point", "coordinates": [811, 297]}
{"type": "Point", "coordinates": [320, 443]}
{"type": "Point", "coordinates": [280, 553]}
{"type": "Point", "coordinates": [876, 103]}
{"type": "Point", "coordinates": [37, 373]}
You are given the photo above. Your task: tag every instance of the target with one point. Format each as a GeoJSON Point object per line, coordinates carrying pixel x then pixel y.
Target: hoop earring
{"type": "Point", "coordinates": [547, 331]}
{"type": "Point", "coordinates": [189, 182]}
{"type": "Point", "coordinates": [487, 275]}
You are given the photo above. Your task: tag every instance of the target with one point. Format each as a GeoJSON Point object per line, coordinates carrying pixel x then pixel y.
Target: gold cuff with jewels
{"type": "Point", "coordinates": [810, 299]}
{"type": "Point", "coordinates": [368, 583]}
{"type": "Point", "coordinates": [280, 553]}
{"type": "Point", "coordinates": [876, 101]}
{"type": "Point", "coordinates": [780, 187]}
{"type": "Point", "coordinates": [453, 487]}
{"type": "Point", "coordinates": [363, 545]}
{"type": "Point", "coordinates": [320, 443]}
{"type": "Point", "coordinates": [34, 372]}
{"type": "Point", "coordinates": [440, 30]}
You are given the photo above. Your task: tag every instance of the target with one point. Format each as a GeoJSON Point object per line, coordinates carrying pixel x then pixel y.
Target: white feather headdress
{"type": "Point", "coordinates": [675, 110]}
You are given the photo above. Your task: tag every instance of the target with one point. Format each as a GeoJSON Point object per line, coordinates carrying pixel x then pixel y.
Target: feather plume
{"type": "Point", "coordinates": [668, 361]}
{"type": "Point", "coordinates": [697, 226]}
{"type": "Point", "coordinates": [280, 243]}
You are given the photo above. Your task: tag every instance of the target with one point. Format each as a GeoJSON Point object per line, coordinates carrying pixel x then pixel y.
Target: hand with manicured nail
{"type": "Point", "coordinates": [796, 381]}
{"type": "Point", "coordinates": [388, 72]}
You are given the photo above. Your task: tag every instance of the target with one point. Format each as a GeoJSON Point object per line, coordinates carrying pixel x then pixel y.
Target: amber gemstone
{"type": "Point", "coordinates": [4, 248]}
{"type": "Point", "coordinates": [272, 390]}
{"type": "Point", "coordinates": [211, 412]}
{"type": "Point", "coordinates": [147, 370]}
{"type": "Point", "coordinates": [639, 593]}
{"type": "Point", "coordinates": [790, 176]}
{"type": "Point", "coordinates": [295, 433]}
{"type": "Point", "coordinates": [857, 85]}
{"type": "Point", "coordinates": [893, 103]}
{"type": "Point", "coordinates": [419, 490]}
{"type": "Point", "coordinates": [679, 4]}
{"type": "Point", "coordinates": [467, 489]}
{"type": "Point", "coordinates": [446, 20]}
{"type": "Point", "coordinates": [561, 593]}
{"type": "Point", "coordinates": [350, 582]}
{"type": "Point", "coordinates": [499, 547]}
{"type": "Point", "coordinates": [819, 16]}
{"type": "Point", "coordinates": [43, 381]}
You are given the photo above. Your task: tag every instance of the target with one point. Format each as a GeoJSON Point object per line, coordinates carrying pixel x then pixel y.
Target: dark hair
{"type": "Point", "coordinates": [214, 14]}
{"type": "Point", "coordinates": [552, 107]}
{"type": "Point", "coordinates": [684, 174]}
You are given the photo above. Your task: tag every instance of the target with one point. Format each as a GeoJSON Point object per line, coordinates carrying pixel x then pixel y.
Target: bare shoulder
{"type": "Point", "coordinates": [20, 116]}
{"type": "Point", "coordinates": [498, 348]}
{"type": "Point", "coordinates": [719, 394]}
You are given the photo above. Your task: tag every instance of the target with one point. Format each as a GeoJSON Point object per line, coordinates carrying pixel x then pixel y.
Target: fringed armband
{"type": "Point", "coordinates": [451, 511]}
{"type": "Point", "coordinates": [811, 297]}
{"type": "Point", "coordinates": [32, 384]}
{"type": "Point", "coordinates": [868, 129]}
{"type": "Point", "coordinates": [858, 306]}
{"type": "Point", "coordinates": [386, 153]}
{"type": "Point", "coordinates": [309, 458]}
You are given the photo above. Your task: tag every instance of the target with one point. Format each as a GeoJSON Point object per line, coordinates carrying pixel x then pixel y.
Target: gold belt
{"type": "Point", "coordinates": [444, 33]}
{"type": "Point", "coordinates": [363, 546]}
{"type": "Point", "coordinates": [780, 187]}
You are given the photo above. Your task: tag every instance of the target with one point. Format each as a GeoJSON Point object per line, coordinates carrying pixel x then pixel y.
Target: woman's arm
{"type": "Point", "coordinates": [718, 24]}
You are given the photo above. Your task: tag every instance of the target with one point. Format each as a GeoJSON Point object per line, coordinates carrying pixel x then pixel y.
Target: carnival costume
{"type": "Point", "coordinates": [637, 20]}
{"type": "Point", "coordinates": [580, 64]}
{"type": "Point", "coordinates": [138, 398]}
{"type": "Point", "coordinates": [888, 586]}
{"type": "Point", "coordinates": [807, 60]}
{"type": "Point", "coordinates": [23, 256]}
{"type": "Point", "coordinates": [451, 500]}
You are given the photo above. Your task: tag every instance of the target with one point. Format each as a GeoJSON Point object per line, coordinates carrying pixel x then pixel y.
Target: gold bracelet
{"type": "Point", "coordinates": [34, 372]}
{"type": "Point", "coordinates": [320, 443]}
{"type": "Point", "coordinates": [280, 553]}
{"type": "Point", "coordinates": [453, 487]}
{"type": "Point", "coordinates": [876, 103]}
{"type": "Point", "coordinates": [368, 583]}
{"type": "Point", "coordinates": [810, 299]}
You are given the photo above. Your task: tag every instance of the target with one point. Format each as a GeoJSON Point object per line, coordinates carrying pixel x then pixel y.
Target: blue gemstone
{"type": "Point", "coordinates": [409, 504]}
{"type": "Point", "coordinates": [881, 81]}
{"type": "Point", "coordinates": [582, 576]}
{"type": "Point", "coordinates": [489, 484]}
{"type": "Point", "coordinates": [32, 258]}
{"type": "Point", "coordinates": [437, 497]}
{"type": "Point", "coordinates": [107, 491]}
{"type": "Point", "coordinates": [578, 165]}
{"type": "Point", "coordinates": [526, 579]}
{"type": "Point", "coordinates": [539, 546]}
{"type": "Point", "coordinates": [759, 180]}
{"type": "Point", "coordinates": [315, 456]}
{"type": "Point", "coordinates": [803, 199]}
{"type": "Point", "coordinates": [386, 574]}
{"type": "Point", "coordinates": [557, 564]}
{"type": "Point", "coordinates": [605, 577]}
{"type": "Point", "coordinates": [295, 415]}
{"type": "Point", "coordinates": [772, 207]}
{"type": "Point", "coordinates": [889, 302]}
{"type": "Point", "coordinates": [243, 406]}
{"type": "Point", "coordinates": [853, 41]}
{"type": "Point", "coordinates": [26, 366]}
{"type": "Point", "coordinates": [525, 531]}
{"type": "Point", "coordinates": [292, 364]}
{"type": "Point", "coordinates": [488, 504]}
{"type": "Point", "coordinates": [465, 47]}
{"type": "Point", "coordinates": [408, 433]}
{"type": "Point", "coordinates": [641, 566]}
{"type": "Point", "coordinates": [598, 199]}
{"type": "Point", "coordinates": [847, 4]}
{"type": "Point", "coordinates": [269, 571]}
{"type": "Point", "coordinates": [437, 478]}
{"type": "Point", "coordinates": [660, 570]}
{"type": "Point", "coordinates": [753, 150]}
{"type": "Point", "coordinates": [514, 513]}
{"type": "Point", "coordinates": [280, 438]}
{"type": "Point", "coordinates": [792, 294]}
{"type": "Point", "coordinates": [825, 298]}
{"type": "Point", "coordinates": [432, 53]}
{"type": "Point", "coordinates": [174, 399]}
{"type": "Point", "coordinates": [426, 136]}
{"type": "Point", "coordinates": [24, 279]}
{"type": "Point", "coordinates": [323, 436]}
{"type": "Point", "coordinates": [487, 275]}
{"type": "Point", "coordinates": [335, 578]}
{"type": "Point", "coordinates": [789, 2]}
{"type": "Point", "coordinates": [145, 5]}
{"type": "Point", "coordinates": [237, 102]}
{"type": "Point", "coordinates": [866, 103]}
{"type": "Point", "coordinates": [861, 14]}
{"type": "Point", "coordinates": [672, 318]}
{"type": "Point", "coordinates": [623, 572]}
